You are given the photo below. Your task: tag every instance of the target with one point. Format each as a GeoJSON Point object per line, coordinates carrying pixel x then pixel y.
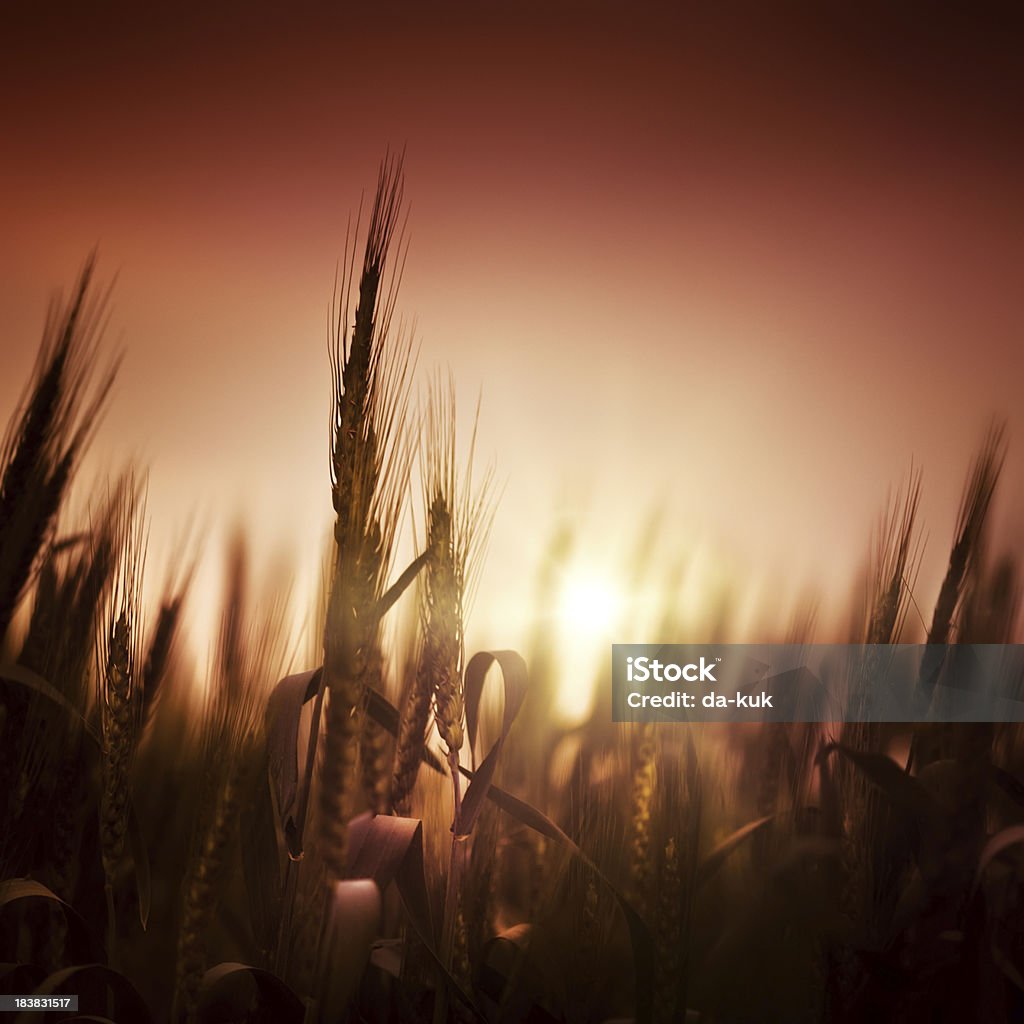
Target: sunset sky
{"type": "Point", "coordinates": [748, 265]}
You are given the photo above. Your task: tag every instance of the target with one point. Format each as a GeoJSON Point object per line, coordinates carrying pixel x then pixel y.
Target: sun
{"type": "Point", "coordinates": [586, 613]}
{"type": "Point", "coordinates": [587, 605]}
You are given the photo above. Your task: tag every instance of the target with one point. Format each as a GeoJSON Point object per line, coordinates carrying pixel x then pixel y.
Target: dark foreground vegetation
{"type": "Point", "coordinates": [378, 840]}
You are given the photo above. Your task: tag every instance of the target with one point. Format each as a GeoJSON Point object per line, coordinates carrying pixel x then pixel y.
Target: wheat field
{"type": "Point", "coordinates": [401, 828]}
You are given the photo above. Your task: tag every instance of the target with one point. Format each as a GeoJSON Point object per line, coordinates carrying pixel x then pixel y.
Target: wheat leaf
{"type": "Point", "coordinates": [274, 995]}
{"type": "Point", "coordinates": [129, 1005]}
{"type": "Point", "coordinates": [997, 844]}
{"type": "Point", "coordinates": [716, 857]}
{"type": "Point", "coordinates": [14, 889]}
{"type": "Point", "coordinates": [515, 678]}
{"type": "Point", "coordinates": [399, 587]}
{"type": "Point", "coordinates": [140, 858]}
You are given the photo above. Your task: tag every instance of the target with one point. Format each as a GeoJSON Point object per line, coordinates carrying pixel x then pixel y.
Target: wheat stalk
{"type": "Point", "coordinates": [250, 652]}
{"type": "Point", "coordinates": [120, 693]}
{"type": "Point", "coordinates": [373, 744]}
{"type": "Point", "coordinates": [44, 442]}
{"type": "Point", "coordinates": [457, 521]}
{"type": "Point", "coordinates": [412, 731]}
{"type": "Point", "coordinates": [368, 473]}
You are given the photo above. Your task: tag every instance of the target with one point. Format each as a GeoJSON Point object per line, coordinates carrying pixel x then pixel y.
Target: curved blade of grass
{"type": "Point", "coordinates": [716, 857]}
{"type": "Point", "coordinates": [997, 844]}
{"type": "Point", "coordinates": [515, 678]}
{"type": "Point", "coordinates": [386, 715]}
{"type": "Point", "coordinates": [828, 799]}
{"type": "Point", "coordinates": [1003, 962]}
{"type": "Point", "coordinates": [37, 684]}
{"type": "Point", "coordinates": [52, 426]}
{"type": "Point", "coordinates": [388, 848]}
{"type": "Point", "coordinates": [284, 710]}
{"type": "Point", "coordinates": [400, 586]}
{"type": "Point", "coordinates": [1008, 783]}
{"type": "Point", "coordinates": [274, 995]}
{"type": "Point", "coordinates": [907, 793]}
{"type": "Point", "coordinates": [20, 977]}
{"type": "Point", "coordinates": [506, 961]}
{"type": "Point", "coordinates": [129, 1004]}
{"type": "Point", "coordinates": [140, 857]}
{"type": "Point", "coordinates": [15, 889]}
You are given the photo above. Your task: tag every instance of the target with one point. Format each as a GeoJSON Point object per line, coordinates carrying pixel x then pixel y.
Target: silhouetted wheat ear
{"type": "Point", "coordinates": [412, 733]}
{"type": "Point", "coordinates": [120, 697]}
{"type": "Point", "coordinates": [120, 691]}
{"type": "Point", "coordinates": [374, 759]}
{"type": "Point", "coordinates": [158, 654]}
{"type": "Point", "coordinates": [369, 467]}
{"type": "Point", "coordinates": [974, 508]}
{"type": "Point", "coordinates": [457, 517]}
{"type": "Point", "coordinates": [70, 601]}
{"type": "Point", "coordinates": [201, 896]}
{"type": "Point", "coordinates": [641, 851]}
{"type": "Point", "coordinates": [45, 440]}
{"type": "Point", "coordinates": [442, 646]}
{"type": "Point", "coordinates": [895, 563]}
{"type": "Point", "coordinates": [118, 735]}
{"type": "Point", "coordinates": [250, 652]}
{"type": "Point", "coordinates": [668, 933]}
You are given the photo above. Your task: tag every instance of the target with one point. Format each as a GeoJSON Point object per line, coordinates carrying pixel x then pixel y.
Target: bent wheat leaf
{"type": "Point", "coordinates": [1008, 783]}
{"type": "Point", "coordinates": [284, 711]}
{"type": "Point", "coordinates": [275, 997]}
{"type": "Point", "coordinates": [515, 678]}
{"type": "Point", "coordinates": [140, 857]}
{"type": "Point", "coordinates": [14, 889]}
{"type": "Point", "coordinates": [1003, 962]}
{"type": "Point", "coordinates": [512, 979]}
{"type": "Point", "coordinates": [716, 857]}
{"type": "Point", "coordinates": [390, 849]}
{"type": "Point", "coordinates": [387, 848]}
{"type": "Point", "coordinates": [399, 587]}
{"type": "Point", "coordinates": [35, 682]}
{"type": "Point", "coordinates": [386, 715]}
{"type": "Point", "coordinates": [20, 977]}
{"type": "Point", "coordinates": [907, 793]}
{"type": "Point", "coordinates": [128, 1004]}
{"type": "Point", "coordinates": [996, 845]}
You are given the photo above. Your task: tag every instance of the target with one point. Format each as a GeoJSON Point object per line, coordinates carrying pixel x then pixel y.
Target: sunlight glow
{"type": "Point", "coordinates": [587, 606]}
{"type": "Point", "coordinates": [587, 612]}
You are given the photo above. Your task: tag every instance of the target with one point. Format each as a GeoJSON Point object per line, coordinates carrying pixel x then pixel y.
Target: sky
{"type": "Point", "coordinates": [746, 266]}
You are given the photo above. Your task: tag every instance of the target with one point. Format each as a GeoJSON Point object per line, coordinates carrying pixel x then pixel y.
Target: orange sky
{"type": "Point", "coordinates": [746, 267]}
